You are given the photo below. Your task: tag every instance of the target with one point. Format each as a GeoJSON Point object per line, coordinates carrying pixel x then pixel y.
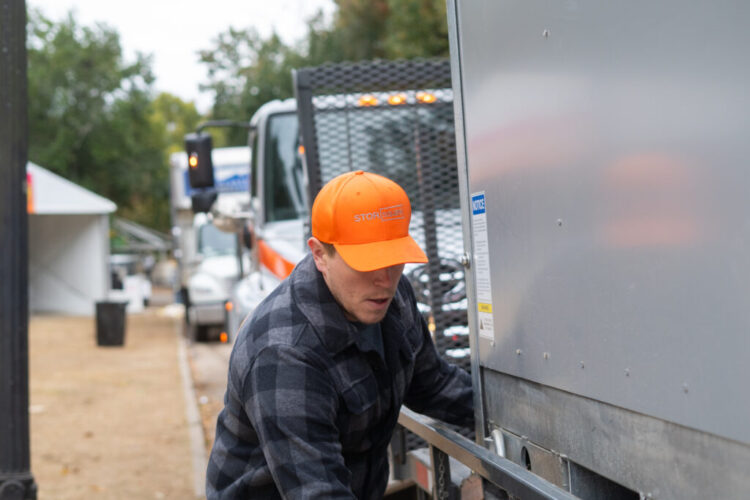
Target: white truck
{"type": "Point", "coordinates": [273, 229]}
{"type": "Point", "coordinates": [374, 126]}
{"type": "Point", "coordinates": [210, 260]}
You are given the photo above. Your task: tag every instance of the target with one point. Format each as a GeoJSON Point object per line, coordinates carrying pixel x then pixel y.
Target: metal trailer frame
{"type": "Point", "coordinates": [451, 450]}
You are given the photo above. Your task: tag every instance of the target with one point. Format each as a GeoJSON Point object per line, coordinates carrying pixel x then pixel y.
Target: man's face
{"type": "Point", "coordinates": [364, 296]}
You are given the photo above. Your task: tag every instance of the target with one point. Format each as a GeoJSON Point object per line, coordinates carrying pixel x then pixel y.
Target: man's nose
{"type": "Point", "coordinates": [383, 277]}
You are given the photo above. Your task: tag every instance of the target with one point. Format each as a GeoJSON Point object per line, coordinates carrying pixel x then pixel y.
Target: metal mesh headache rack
{"type": "Point", "coordinates": [395, 118]}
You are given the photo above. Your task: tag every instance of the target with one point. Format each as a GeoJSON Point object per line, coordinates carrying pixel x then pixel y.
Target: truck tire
{"type": "Point", "coordinates": [197, 333]}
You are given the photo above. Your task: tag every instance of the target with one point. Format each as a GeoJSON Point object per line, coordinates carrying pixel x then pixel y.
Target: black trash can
{"type": "Point", "coordinates": [110, 323]}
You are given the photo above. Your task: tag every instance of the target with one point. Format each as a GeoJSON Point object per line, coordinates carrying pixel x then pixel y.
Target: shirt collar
{"type": "Point", "coordinates": [312, 297]}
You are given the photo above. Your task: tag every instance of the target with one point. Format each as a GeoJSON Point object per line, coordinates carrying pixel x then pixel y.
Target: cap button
{"type": "Point", "coordinates": [359, 172]}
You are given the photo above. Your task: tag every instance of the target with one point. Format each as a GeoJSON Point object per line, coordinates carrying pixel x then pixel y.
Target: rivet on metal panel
{"type": "Point", "coordinates": [518, 351]}
{"type": "Point", "coordinates": [465, 260]}
{"type": "Point", "coordinates": [546, 355]}
{"type": "Point", "coordinates": [685, 388]}
{"type": "Point", "coordinates": [627, 372]}
{"type": "Point", "coordinates": [559, 222]}
{"type": "Point", "coordinates": [582, 365]}
{"type": "Point", "coordinates": [545, 33]}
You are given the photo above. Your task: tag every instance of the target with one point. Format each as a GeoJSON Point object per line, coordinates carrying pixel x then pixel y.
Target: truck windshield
{"type": "Point", "coordinates": [283, 188]}
{"type": "Point", "coordinates": [213, 242]}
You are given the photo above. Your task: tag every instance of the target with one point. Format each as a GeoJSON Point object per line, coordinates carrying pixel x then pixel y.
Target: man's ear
{"type": "Point", "coordinates": [319, 254]}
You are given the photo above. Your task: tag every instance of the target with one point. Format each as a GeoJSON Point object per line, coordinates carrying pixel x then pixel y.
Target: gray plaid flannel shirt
{"type": "Point", "coordinates": [310, 410]}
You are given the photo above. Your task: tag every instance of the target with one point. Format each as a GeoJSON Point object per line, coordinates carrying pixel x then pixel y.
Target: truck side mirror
{"type": "Point", "coordinates": [247, 236]}
{"type": "Point", "coordinates": [202, 201]}
{"type": "Point", "coordinates": [200, 166]}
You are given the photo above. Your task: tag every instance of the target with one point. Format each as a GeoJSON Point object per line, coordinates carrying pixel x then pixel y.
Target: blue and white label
{"type": "Point", "coordinates": [227, 179]}
{"type": "Point", "coordinates": [477, 204]}
{"type": "Point", "coordinates": [482, 266]}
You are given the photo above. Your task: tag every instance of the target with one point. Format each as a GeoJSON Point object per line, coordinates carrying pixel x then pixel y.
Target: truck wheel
{"type": "Point", "coordinates": [197, 333]}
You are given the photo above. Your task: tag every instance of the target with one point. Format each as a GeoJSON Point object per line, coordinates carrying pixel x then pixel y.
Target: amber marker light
{"type": "Point", "coordinates": [426, 97]}
{"type": "Point", "coordinates": [223, 337]}
{"type": "Point", "coordinates": [228, 306]}
{"type": "Point", "coordinates": [397, 99]}
{"type": "Point", "coordinates": [301, 150]}
{"type": "Point", "coordinates": [431, 326]}
{"type": "Point", "coordinates": [193, 160]}
{"type": "Point", "coordinates": [368, 100]}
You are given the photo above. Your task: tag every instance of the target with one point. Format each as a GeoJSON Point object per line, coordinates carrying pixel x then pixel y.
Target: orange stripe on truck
{"type": "Point", "coordinates": [273, 261]}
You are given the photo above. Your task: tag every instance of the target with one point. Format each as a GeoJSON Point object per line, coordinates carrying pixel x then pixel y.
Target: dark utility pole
{"type": "Point", "coordinates": [16, 481]}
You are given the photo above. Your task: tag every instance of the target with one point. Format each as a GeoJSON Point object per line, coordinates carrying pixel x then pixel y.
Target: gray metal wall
{"type": "Point", "coordinates": [611, 142]}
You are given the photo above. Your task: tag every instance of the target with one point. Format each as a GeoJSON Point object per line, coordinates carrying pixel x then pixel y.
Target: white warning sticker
{"type": "Point", "coordinates": [482, 265]}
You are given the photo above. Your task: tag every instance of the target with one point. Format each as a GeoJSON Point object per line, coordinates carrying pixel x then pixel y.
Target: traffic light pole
{"type": "Point", "coordinates": [16, 481]}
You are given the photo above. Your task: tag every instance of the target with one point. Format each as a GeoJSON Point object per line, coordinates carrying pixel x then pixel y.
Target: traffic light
{"type": "Point", "coordinates": [200, 166]}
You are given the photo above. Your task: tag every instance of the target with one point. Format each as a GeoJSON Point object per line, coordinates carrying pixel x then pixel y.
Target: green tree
{"type": "Point", "coordinates": [92, 117]}
{"type": "Point", "coordinates": [245, 71]}
{"type": "Point", "coordinates": [322, 44]}
{"type": "Point", "coordinates": [176, 117]}
{"type": "Point", "coordinates": [416, 28]}
{"type": "Point", "coordinates": [379, 29]}
{"type": "Point", "coordinates": [359, 28]}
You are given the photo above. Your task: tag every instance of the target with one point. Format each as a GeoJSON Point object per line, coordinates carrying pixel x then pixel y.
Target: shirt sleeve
{"type": "Point", "coordinates": [292, 405]}
{"type": "Point", "coordinates": [439, 389]}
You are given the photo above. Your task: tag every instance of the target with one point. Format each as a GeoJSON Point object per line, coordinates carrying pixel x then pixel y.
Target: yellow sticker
{"type": "Point", "coordinates": [485, 308]}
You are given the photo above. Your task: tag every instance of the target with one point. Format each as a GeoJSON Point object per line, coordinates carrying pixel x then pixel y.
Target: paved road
{"type": "Point", "coordinates": [208, 363]}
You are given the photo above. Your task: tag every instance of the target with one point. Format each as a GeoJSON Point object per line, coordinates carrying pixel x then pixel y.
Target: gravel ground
{"type": "Point", "coordinates": [108, 422]}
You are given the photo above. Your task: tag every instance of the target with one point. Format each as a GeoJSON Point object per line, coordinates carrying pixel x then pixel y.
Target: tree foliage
{"type": "Point", "coordinates": [176, 117]}
{"type": "Point", "coordinates": [359, 28]}
{"type": "Point", "coordinates": [416, 28]}
{"type": "Point", "coordinates": [93, 117]}
{"type": "Point", "coordinates": [93, 120]}
{"type": "Point", "coordinates": [246, 70]}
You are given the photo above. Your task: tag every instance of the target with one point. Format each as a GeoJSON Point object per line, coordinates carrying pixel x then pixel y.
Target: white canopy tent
{"type": "Point", "coordinates": [68, 244]}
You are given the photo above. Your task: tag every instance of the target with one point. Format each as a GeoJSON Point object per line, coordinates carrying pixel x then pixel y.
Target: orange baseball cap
{"type": "Point", "coordinates": [366, 218]}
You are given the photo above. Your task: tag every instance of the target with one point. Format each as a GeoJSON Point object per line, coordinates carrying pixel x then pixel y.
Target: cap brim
{"type": "Point", "coordinates": [380, 254]}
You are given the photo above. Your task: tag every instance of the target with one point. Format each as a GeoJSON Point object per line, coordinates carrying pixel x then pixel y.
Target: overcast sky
{"type": "Point", "coordinates": [173, 32]}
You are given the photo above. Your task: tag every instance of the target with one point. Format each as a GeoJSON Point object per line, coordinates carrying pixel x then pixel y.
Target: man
{"type": "Point", "coordinates": [319, 371]}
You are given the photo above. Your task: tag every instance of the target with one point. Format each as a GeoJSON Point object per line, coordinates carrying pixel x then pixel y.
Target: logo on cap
{"type": "Point", "coordinates": [394, 212]}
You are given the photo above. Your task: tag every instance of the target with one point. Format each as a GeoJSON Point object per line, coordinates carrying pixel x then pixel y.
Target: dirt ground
{"type": "Point", "coordinates": [130, 422]}
{"type": "Point", "coordinates": [109, 422]}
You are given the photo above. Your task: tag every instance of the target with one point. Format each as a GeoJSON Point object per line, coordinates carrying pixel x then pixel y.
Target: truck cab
{"type": "Point", "coordinates": [275, 229]}
{"type": "Point", "coordinates": [210, 260]}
